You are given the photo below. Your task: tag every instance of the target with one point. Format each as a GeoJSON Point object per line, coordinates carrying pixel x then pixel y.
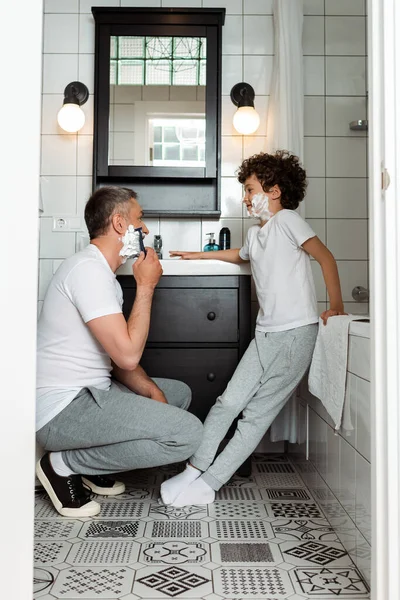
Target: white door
{"type": "Point", "coordinates": [384, 162]}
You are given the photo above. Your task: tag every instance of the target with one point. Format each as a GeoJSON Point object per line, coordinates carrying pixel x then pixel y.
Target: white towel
{"type": "Point", "coordinates": [328, 371]}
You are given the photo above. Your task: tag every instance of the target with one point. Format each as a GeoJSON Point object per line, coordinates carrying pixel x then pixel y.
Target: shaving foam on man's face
{"type": "Point", "coordinates": [260, 207]}
{"type": "Point", "coordinates": [131, 244]}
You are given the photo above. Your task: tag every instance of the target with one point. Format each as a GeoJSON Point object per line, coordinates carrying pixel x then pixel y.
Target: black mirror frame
{"type": "Point", "coordinates": [204, 182]}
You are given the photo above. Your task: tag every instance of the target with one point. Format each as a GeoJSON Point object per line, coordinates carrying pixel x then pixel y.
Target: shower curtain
{"type": "Point", "coordinates": [285, 131]}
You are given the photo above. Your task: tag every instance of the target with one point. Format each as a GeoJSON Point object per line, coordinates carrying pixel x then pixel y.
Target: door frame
{"type": "Point", "coordinates": [384, 228]}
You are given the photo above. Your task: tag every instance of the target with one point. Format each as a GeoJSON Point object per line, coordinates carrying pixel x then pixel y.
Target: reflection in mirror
{"type": "Point", "coordinates": [157, 101]}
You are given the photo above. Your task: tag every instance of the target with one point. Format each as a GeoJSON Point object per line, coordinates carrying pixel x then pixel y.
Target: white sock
{"type": "Point", "coordinates": [171, 488]}
{"type": "Point", "coordinates": [198, 492]}
{"type": "Point", "coordinates": [59, 466]}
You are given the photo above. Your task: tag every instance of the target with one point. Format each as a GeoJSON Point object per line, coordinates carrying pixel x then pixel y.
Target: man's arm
{"type": "Point", "coordinates": [231, 256]}
{"type": "Point", "coordinates": [324, 257]}
{"type": "Point", "coordinates": [124, 341]}
{"type": "Point", "coordinates": [139, 382]}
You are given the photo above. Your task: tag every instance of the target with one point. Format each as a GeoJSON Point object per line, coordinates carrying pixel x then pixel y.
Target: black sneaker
{"type": "Point", "coordinates": [104, 486]}
{"type": "Point", "coordinates": [67, 494]}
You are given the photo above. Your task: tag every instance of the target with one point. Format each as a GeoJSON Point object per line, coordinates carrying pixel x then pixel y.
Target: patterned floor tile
{"type": "Point", "coordinates": [279, 480]}
{"type": "Point", "coordinates": [104, 553]}
{"type": "Point", "coordinates": [329, 582]}
{"type": "Point", "coordinates": [267, 467]}
{"type": "Point", "coordinates": [173, 582]}
{"type": "Point", "coordinates": [45, 510]}
{"type": "Point", "coordinates": [238, 493]}
{"type": "Point", "coordinates": [43, 580]}
{"type": "Point", "coordinates": [240, 530]}
{"type": "Point", "coordinates": [252, 582]}
{"type": "Point", "coordinates": [175, 553]}
{"type": "Point", "coordinates": [132, 493]}
{"type": "Point", "coordinates": [286, 494]}
{"type": "Point", "coordinates": [115, 509]}
{"type": "Point", "coordinates": [50, 553]}
{"type": "Point", "coordinates": [176, 530]}
{"type": "Point", "coordinates": [100, 582]}
{"type": "Point", "coordinates": [296, 510]}
{"type": "Point", "coordinates": [160, 511]}
{"type": "Point", "coordinates": [242, 482]}
{"type": "Point", "coordinates": [57, 530]}
{"type": "Point", "coordinates": [112, 529]}
{"type": "Point", "coordinates": [303, 529]}
{"type": "Point", "coordinates": [249, 553]}
{"type": "Point", "coordinates": [237, 510]}
{"type": "Point", "coordinates": [260, 457]}
{"type": "Point", "coordinates": [315, 553]}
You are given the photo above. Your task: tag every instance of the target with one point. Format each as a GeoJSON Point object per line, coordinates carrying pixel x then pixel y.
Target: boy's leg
{"type": "Point", "coordinates": [111, 431]}
{"type": "Point", "coordinates": [286, 357]}
{"type": "Point", "coordinates": [243, 385]}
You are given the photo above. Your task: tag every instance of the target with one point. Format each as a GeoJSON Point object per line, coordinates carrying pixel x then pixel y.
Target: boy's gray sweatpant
{"type": "Point", "coordinates": [269, 372]}
{"type": "Point", "coordinates": [102, 432]}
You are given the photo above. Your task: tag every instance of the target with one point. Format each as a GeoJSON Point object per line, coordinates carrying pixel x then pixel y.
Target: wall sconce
{"type": "Point", "coordinates": [71, 117]}
{"type": "Point", "coordinates": [246, 119]}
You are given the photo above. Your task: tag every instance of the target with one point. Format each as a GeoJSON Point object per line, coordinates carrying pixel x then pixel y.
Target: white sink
{"type": "Point", "coordinates": [177, 266]}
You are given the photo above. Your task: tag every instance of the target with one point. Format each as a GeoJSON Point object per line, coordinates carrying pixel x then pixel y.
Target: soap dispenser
{"type": "Point", "coordinates": [212, 245]}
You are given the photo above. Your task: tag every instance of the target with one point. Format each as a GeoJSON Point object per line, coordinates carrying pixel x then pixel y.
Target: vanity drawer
{"type": "Point", "coordinates": [206, 371]}
{"type": "Point", "coordinates": [191, 315]}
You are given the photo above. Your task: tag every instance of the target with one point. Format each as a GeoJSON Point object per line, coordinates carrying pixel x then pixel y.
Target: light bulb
{"type": "Point", "coordinates": [71, 118]}
{"type": "Point", "coordinates": [246, 120]}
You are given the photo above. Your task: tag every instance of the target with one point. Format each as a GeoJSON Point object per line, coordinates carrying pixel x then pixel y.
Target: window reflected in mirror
{"type": "Point", "coordinates": [157, 101]}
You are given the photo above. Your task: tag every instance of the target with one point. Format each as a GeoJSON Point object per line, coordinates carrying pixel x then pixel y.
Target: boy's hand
{"type": "Point", "coordinates": [185, 255]}
{"type": "Point", "coordinates": [331, 313]}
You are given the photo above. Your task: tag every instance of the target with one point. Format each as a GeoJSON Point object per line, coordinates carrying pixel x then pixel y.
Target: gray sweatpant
{"type": "Point", "coordinates": [269, 372]}
{"type": "Point", "coordinates": [116, 430]}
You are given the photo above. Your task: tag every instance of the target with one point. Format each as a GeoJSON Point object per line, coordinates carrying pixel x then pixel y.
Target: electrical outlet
{"type": "Point", "coordinates": [66, 224]}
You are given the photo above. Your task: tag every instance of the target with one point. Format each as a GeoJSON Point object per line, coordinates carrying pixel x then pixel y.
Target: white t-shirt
{"type": "Point", "coordinates": [69, 357]}
{"type": "Point", "coordinates": [282, 272]}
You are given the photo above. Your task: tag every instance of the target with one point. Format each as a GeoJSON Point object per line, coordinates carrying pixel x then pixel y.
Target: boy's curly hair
{"type": "Point", "coordinates": [281, 168]}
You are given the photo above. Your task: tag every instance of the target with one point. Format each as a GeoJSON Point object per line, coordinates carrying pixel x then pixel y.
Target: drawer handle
{"type": "Point", "coordinates": [211, 376]}
{"type": "Point", "coordinates": [211, 316]}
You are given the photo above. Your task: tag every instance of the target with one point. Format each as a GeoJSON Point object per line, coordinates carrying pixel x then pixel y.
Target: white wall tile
{"type": "Point", "coordinates": [345, 7]}
{"type": "Point", "coordinates": [60, 33]}
{"type": "Point", "coordinates": [86, 34]}
{"type": "Point", "coordinates": [248, 222]}
{"type": "Point", "coordinates": [333, 460]}
{"type": "Point", "coordinates": [341, 111]}
{"type": "Point", "coordinates": [58, 71]}
{"type": "Point", "coordinates": [83, 193]}
{"type": "Point", "coordinates": [363, 496]}
{"type": "Point", "coordinates": [45, 276]}
{"type": "Point", "coordinates": [124, 118]}
{"type": "Point", "coordinates": [86, 71]}
{"type": "Point", "coordinates": [347, 239]}
{"type": "Point", "coordinates": [313, 7]}
{"type": "Point", "coordinates": [183, 92]}
{"type": "Point", "coordinates": [147, 3]}
{"type": "Point", "coordinates": [319, 281]}
{"type": "Point", "coordinates": [314, 74]}
{"type": "Point", "coordinates": [51, 104]}
{"type": "Point", "coordinates": [231, 155]}
{"type": "Point", "coordinates": [356, 308]}
{"type": "Point", "coordinates": [321, 446]}
{"type": "Point", "coordinates": [88, 109]}
{"type": "Point", "coordinates": [228, 111]}
{"type": "Point", "coordinates": [258, 35]}
{"type": "Point", "coordinates": [85, 6]}
{"type": "Point", "coordinates": [213, 226]}
{"type": "Point", "coordinates": [183, 3]}
{"type": "Point", "coordinates": [58, 195]}
{"type": "Point", "coordinates": [153, 225]}
{"type": "Point", "coordinates": [85, 155]}
{"type": "Point", "coordinates": [347, 478]}
{"type": "Point", "coordinates": [257, 7]}
{"type": "Point", "coordinates": [231, 197]}
{"type": "Point", "coordinates": [360, 357]}
{"type": "Point", "coordinates": [363, 431]}
{"type": "Point", "coordinates": [352, 273]}
{"type": "Point", "coordinates": [61, 6]}
{"type": "Point", "coordinates": [345, 76]}
{"type": "Point", "coordinates": [314, 202]}
{"type": "Point", "coordinates": [232, 35]}
{"type": "Point", "coordinates": [346, 157]}
{"type": "Point", "coordinates": [58, 155]}
{"type": "Point", "coordinates": [314, 156]}
{"type": "Point", "coordinates": [346, 198]}
{"type": "Point", "coordinates": [232, 73]}
{"type": "Point", "coordinates": [314, 115]}
{"type": "Point", "coordinates": [314, 36]}
{"type": "Point", "coordinates": [254, 144]}
{"type": "Point", "coordinates": [180, 234]}
{"type": "Point", "coordinates": [55, 244]}
{"type": "Point", "coordinates": [345, 36]}
{"type": "Point", "coordinates": [351, 401]}
{"type": "Point", "coordinates": [258, 72]}
{"type": "Point", "coordinates": [233, 7]}
{"type": "Point", "coordinates": [39, 308]}
{"type": "Point", "coordinates": [318, 226]}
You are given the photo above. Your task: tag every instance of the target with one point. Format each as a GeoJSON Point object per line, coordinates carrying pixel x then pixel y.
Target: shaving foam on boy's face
{"type": "Point", "coordinates": [260, 207]}
{"type": "Point", "coordinates": [131, 244]}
